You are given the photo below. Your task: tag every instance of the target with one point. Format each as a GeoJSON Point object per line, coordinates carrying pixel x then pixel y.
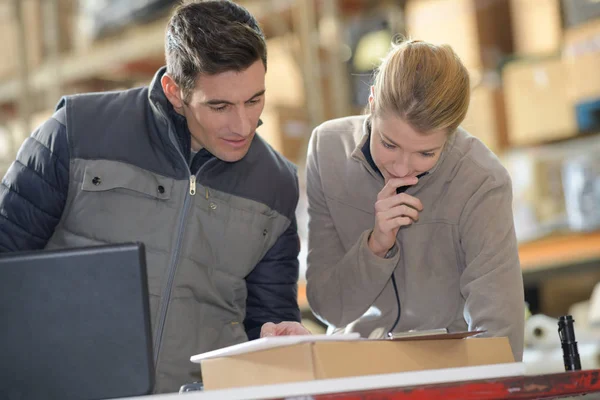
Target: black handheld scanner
{"type": "Point", "coordinates": [402, 189]}
{"type": "Point", "coordinates": [566, 332]}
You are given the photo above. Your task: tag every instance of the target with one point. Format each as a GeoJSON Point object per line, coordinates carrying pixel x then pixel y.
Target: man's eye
{"type": "Point", "coordinates": [428, 154]}
{"type": "Point", "coordinates": [221, 108]}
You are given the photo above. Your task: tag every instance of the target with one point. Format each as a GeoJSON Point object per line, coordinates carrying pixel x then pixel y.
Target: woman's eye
{"type": "Point", "coordinates": [387, 145]}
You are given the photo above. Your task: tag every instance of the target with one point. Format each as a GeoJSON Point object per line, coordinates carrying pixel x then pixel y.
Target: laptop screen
{"type": "Point", "coordinates": [75, 324]}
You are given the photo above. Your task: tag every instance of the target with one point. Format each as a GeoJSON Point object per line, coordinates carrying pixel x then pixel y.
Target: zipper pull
{"type": "Point", "coordinates": [206, 193]}
{"type": "Point", "coordinates": [192, 184]}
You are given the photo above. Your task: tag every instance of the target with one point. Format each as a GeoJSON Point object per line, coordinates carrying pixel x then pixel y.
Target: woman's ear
{"type": "Point", "coordinates": [172, 91]}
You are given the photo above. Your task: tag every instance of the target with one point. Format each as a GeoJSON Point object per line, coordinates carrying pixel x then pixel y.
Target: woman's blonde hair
{"type": "Point", "coordinates": [424, 84]}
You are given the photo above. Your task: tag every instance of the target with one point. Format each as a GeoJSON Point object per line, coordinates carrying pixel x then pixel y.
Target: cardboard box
{"type": "Point", "coordinates": [485, 118]}
{"type": "Point", "coordinates": [583, 77]}
{"type": "Point", "coordinates": [581, 55]}
{"type": "Point", "coordinates": [537, 26]}
{"type": "Point", "coordinates": [479, 31]}
{"type": "Point", "coordinates": [284, 83]}
{"type": "Point", "coordinates": [287, 130]}
{"type": "Point", "coordinates": [308, 361]}
{"type": "Point", "coordinates": [537, 106]}
{"type": "Point", "coordinates": [559, 293]}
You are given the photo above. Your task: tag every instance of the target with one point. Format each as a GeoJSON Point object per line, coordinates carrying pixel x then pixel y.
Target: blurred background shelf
{"type": "Point", "coordinates": [135, 46]}
{"type": "Point", "coordinates": [560, 251]}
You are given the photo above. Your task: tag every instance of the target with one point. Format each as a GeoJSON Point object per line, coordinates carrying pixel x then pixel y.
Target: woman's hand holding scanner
{"type": "Point", "coordinates": [391, 212]}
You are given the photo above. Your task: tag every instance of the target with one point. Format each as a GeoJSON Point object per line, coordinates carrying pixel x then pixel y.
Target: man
{"type": "Point", "coordinates": [177, 166]}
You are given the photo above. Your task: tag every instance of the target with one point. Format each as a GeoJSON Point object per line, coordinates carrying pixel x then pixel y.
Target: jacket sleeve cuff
{"type": "Point", "coordinates": [388, 262]}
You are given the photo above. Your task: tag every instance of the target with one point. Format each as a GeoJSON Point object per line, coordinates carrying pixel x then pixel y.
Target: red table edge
{"type": "Point", "coordinates": [521, 387]}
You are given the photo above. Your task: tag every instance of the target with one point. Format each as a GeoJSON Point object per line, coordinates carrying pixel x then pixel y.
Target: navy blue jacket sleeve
{"type": "Point", "coordinates": [273, 285]}
{"type": "Point", "coordinates": [34, 190]}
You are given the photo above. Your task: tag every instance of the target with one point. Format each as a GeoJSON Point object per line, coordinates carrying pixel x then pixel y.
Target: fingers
{"type": "Point", "coordinates": [400, 221]}
{"type": "Point", "coordinates": [390, 186]}
{"type": "Point", "coordinates": [391, 212]}
{"type": "Point", "coordinates": [268, 329]}
{"type": "Point", "coordinates": [286, 328]}
{"type": "Point", "coordinates": [390, 225]}
{"type": "Point", "coordinates": [396, 200]}
{"type": "Point", "coordinates": [401, 211]}
{"type": "Point", "coordinates": [292, 328]}
{"type": "Point", "coordinates": [409, 200]}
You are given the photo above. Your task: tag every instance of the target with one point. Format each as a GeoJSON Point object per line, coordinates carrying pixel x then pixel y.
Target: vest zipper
{"type": "Point", "coordinates": [166, 297]}
{"type": "Point", "coordinates": [192, 185]}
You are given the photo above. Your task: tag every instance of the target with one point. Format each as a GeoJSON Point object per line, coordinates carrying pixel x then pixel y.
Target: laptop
{"type": "Point", "coordinates": [75, 324]}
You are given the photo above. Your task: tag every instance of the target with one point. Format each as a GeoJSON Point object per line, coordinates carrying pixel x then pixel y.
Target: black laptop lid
{"type": "Point", "coordinates": [74, 324]}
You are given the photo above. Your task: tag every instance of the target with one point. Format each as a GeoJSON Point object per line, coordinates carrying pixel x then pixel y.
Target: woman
{"type": "Point", "coordinates": [411, 225]}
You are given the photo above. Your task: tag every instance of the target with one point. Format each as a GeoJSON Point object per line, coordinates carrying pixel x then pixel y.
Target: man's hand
{"type": "Point", "coordinates": [286, 328]}
{"type": "Point", "coordinates": [391, 212]}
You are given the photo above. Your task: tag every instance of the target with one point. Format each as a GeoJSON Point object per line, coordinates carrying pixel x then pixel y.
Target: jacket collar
{"type": "Point", "coordinates": [171, 126]}
{"type": "Point", "coordinates": [156, 97]}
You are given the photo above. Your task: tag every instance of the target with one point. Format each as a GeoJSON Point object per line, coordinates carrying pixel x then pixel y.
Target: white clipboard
{"type": "Point", "coordinates": [270, 343]}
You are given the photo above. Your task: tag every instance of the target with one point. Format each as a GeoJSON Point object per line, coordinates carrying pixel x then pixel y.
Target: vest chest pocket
{"type": "Point", "coordinates": [104, 175]}
{"type": "Point", "coordinates": [119, 202]}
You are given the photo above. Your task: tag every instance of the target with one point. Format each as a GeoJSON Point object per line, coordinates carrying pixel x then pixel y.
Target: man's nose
{"type": "Point", "coordinates": [240, 125]}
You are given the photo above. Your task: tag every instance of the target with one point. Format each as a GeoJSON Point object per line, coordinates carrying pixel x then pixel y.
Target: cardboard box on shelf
{"type": "Point", "coordinates": [478, 30]}
{"type": "Point", "coordinates": [537, 26]}
{"type": "Point", "coordinates": [284, 84]}
{"type": "Point", "coordinates": [559, 293]}
{"type": "Point", "coordinates": [583, 77]}
{"type": "Point", "coordinates": [485, 118]}
{"type": "Point", "coordinates": [581, 54]}
{"type": "Point", "coordinates": [537, 106]}
{"type": "Point", "coordinates": [328, 358]}
{"type": "Point", "coordinates": [286, 129]}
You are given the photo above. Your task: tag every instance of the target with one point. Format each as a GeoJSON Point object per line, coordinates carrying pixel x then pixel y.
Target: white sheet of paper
{"type": "Point", "coordinates": [270, 343]}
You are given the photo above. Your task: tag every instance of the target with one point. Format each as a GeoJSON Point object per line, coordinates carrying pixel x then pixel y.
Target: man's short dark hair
{"type": "Point", "coordinates": [208, 37]}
